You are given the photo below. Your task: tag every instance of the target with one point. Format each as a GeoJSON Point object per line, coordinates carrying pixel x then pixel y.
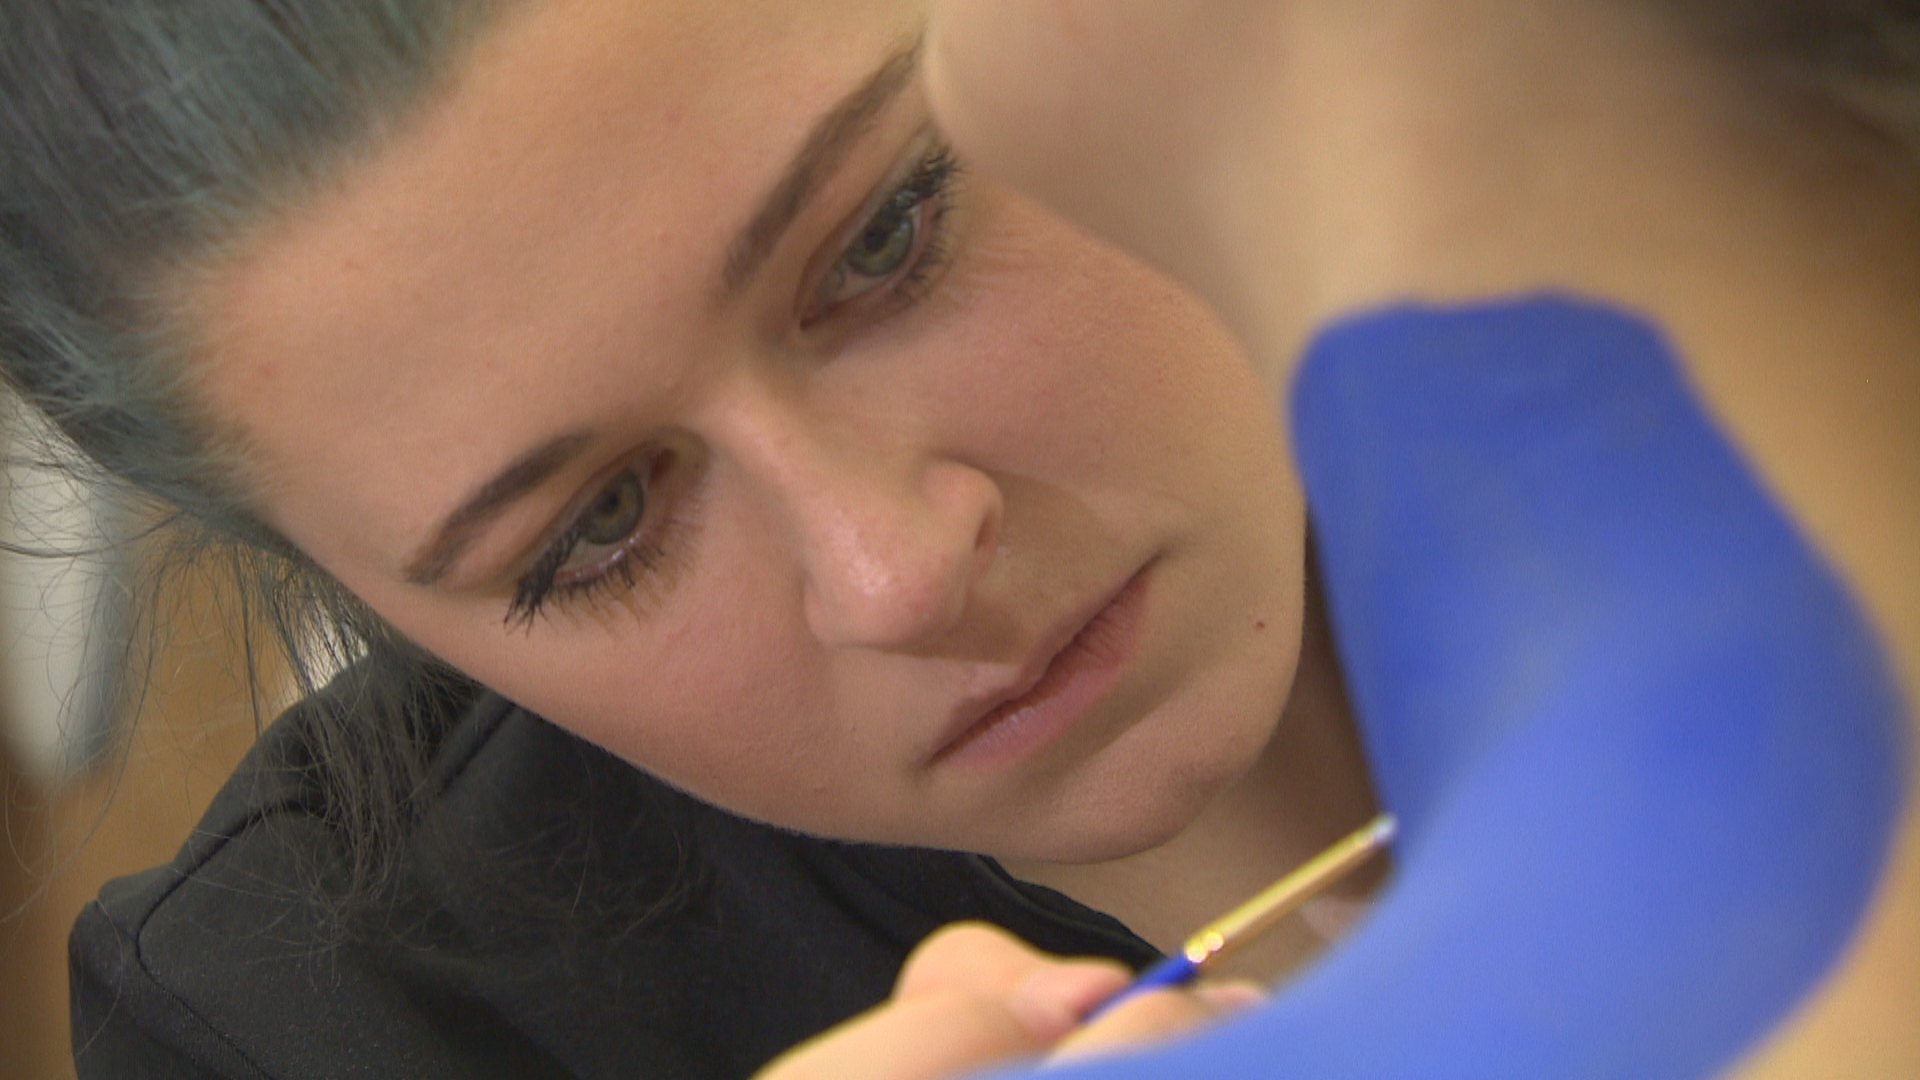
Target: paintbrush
{"type": "Point", "coordinates": [1241, 926]}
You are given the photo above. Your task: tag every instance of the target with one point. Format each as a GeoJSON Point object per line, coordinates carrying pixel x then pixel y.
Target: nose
{"type": "Point", "coordinates": [891, 537]}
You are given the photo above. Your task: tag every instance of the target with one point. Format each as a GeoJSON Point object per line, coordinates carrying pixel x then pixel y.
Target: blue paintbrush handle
{"type": "Point", "coordinates": [1175, 970]}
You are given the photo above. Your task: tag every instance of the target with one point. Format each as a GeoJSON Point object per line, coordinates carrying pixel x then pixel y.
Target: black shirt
{"type": "Point", "coordinates": [558, 914]}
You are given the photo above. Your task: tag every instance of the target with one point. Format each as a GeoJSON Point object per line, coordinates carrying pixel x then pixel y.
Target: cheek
{"type": "Point", "coordinates": [1080, 364]}
{"type": "Point", "coordinates": [714, 687]}
{"type": "Point", "coordinates": [1057, 340]}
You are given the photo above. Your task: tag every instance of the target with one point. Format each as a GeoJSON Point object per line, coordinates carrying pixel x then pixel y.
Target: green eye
{"type": "Point", "coordinates": [884, 245]}
{"type": "Point", "coordinates": [614, 515]}
{"type": "Point", "coordinates": [896, 250]}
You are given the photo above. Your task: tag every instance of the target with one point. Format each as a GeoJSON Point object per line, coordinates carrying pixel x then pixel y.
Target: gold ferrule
{"type": "Point", "coordinates": [1202, 946]}
{"type": "Point", "coordinates": [1248, 921]}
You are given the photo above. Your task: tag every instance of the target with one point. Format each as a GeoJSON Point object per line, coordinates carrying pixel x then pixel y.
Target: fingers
{"type": "Point", "coordinates": [936, 1035]}
{"type": "Point", "coordinates": [969, 997]}
{"type": "Point", "coordinates": [1047, 994]}
{"type": "Point", "coordinates": [1161, 1014]}
{"type": "Point", "coordinates": [973, 996]}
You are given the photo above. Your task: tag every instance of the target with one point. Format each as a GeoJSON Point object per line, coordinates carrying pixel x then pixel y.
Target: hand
{"type": "Point", "coordinates": [972, 996]}
{"type": "Point", "coordinates": [1161, 1014]}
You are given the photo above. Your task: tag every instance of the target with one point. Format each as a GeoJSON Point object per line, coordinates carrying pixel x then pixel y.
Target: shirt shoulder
{"type": "Point", "coordinates": [232, 961]}
{"type": "Point", "coordinates": [558, 912]}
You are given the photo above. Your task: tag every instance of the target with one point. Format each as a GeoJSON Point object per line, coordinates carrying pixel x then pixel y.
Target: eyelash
{"type": "Point", "coordinates": [928, 194]}
{"type": "Point", "coordinates": [642, 553]}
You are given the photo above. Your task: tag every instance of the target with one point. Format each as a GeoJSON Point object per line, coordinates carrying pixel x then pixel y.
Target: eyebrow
{"type": "Point", "coordinates": [831, 139]}
{"type": "Point", "coordinates": [463, 526]}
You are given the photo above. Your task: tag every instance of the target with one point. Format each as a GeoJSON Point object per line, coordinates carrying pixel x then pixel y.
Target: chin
{"type": "Point", "coordinates": [1078, 844]}
{"type": "Point", "coordinates": [1154, 794]}
{"type": "Point", "coordinates": [1129, 817]}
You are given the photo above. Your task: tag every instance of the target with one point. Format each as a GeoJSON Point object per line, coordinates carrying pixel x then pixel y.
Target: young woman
{"type": "Point", "coordinates": [659, 368]}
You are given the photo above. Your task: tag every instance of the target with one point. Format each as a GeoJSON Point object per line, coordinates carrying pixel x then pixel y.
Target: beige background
{"type": "Point", "coordinates": [61, 845]}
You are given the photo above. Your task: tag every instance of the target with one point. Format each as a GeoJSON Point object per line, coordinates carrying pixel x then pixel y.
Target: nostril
{"type": "Point", "coordinates": [986, 540]}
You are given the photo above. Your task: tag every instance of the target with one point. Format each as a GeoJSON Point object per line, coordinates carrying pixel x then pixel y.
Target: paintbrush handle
{"type": "Point", "coordinates": [1247, 922]}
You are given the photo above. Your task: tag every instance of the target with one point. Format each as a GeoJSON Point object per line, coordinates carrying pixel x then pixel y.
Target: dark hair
{"type": "Point", "coordinates": [136, 138]}
{"type": "Point", "coordinates": [140, 138]}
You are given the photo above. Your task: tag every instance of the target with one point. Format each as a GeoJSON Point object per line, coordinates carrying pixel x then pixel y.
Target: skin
{"type": "Point", "coordinates": [868, 519]}
{"type": "Point", "coordinates": [973, 995]}
{"type": "Point", "coordinates": [1293, 161]}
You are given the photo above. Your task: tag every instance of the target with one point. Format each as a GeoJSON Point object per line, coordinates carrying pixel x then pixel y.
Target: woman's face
{"type": "Point", "coordinates": [667, 376]}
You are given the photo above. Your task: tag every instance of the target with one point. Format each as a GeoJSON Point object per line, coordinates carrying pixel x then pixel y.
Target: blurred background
{"type": "Point", "coordinates": [108, 754]}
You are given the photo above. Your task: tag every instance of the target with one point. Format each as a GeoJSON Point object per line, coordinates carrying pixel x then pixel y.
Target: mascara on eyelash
{"type": "Point", "coordinates": [541, 579]}
{"type": "Point", "coordinates": [931, 182]}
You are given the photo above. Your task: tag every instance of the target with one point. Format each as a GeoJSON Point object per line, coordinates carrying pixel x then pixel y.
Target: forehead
{"type": "Point", "coordinates": [574, 190]}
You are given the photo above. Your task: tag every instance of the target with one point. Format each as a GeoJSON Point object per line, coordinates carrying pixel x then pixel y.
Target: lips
{"type": "Point", "coordinates": [1072, 671]}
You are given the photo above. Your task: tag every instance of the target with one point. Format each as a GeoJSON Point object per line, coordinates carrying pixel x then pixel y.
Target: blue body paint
{"type": "Point", "coordinates": [1644, 750]}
